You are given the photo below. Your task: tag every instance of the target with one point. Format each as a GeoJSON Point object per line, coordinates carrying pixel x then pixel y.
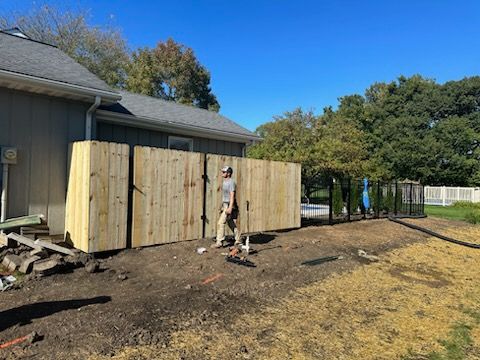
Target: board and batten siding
{"type": "Point", "coordinates": [136, 136]}
{"type": "Point", "coordinates": [41, 128]}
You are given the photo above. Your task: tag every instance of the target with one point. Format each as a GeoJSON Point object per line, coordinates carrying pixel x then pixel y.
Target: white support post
{"type": "Point", "coordinates": [443, 195]}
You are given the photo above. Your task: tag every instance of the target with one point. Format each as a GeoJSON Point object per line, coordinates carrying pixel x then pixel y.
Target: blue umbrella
{"type": "Point", "coordinates": [366, 199]}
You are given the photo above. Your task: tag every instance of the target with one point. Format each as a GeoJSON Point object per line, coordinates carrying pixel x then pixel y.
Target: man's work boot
{"type": "Point", "coordinates": [217, 245]}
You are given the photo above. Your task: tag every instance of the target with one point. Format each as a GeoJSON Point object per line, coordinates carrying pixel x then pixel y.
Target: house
{"type": "Point", "coordinates": [48, 100]}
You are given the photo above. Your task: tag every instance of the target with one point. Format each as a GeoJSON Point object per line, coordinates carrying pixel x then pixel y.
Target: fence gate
{"type": "Point", "coordinates": [268, 193]}
{"type": "Point", "coordinates": [167, 196]}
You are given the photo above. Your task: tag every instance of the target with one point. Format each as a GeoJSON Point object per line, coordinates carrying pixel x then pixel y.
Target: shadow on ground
{"type": "Point", "coordinates": [24, 314]}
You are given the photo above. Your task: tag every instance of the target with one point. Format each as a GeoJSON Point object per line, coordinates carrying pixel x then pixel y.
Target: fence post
{"type": "Point", "coordinates": [204, 205]}
{"type": "Point", "coordinates": [395, 206]}
{"type": "Point", "coordinates": [411, 197]}
{"type": "Point", "coordinates": [349, 184]}
{"type": "Point", "coordinates": [377, 210]}
{"type": "Point", "coordinates": [443, 192]}
{"type": "Point", "coordinates": [330, 201]}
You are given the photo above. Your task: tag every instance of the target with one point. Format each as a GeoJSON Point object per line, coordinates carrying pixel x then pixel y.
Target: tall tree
{"type": "Point", "coordinates": [325, 145]}
{"type": "Point", "coordinates": [101, 50]}
{"type": "Point", "coordinates": [172, 72]}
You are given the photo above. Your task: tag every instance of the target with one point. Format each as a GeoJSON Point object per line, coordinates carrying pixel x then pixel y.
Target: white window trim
{"type": "Point", "coordinates": [189, 140]}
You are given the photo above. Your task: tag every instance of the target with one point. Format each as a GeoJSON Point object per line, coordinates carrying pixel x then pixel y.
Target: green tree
{"type": "Point", "coordinates": [103, 51]}
{"type": "Point", "coordinates": [421, 130]}
{"type": "Point", "coordinates": [171, 72]}
{"type": "Point", "coordinates": [324, 145]}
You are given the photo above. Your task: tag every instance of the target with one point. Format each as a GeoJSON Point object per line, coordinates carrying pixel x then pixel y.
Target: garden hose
{"type": "Point", "coordinates": [429, 232]}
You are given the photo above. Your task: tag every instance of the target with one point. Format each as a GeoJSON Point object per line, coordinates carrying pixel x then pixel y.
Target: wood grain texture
{"type": "Point", "coordinates": [272, 189]}
{"type": "Point", "coordinates": [97, 196]}
{"type": "Point", "coordinates": [167, 197]}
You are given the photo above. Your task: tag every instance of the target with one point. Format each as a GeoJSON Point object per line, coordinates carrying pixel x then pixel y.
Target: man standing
{"type": "Point", "coordinates": [229, 211]}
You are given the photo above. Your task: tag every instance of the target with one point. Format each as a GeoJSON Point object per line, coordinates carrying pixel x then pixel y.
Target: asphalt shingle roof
{"type": "Point", "coordinates": [171, 112]}
{"type": "Point", "coordinates": [29, 57]}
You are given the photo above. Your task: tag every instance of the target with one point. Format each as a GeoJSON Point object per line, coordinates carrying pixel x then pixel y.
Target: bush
{"type": "Point", "coordinates": [374, 197]}
{"type": "Point", "coordinates": [354, 197]}
{"type": "Point", "coordinates": [389, 199]}
{"type": "Point", "coordinates": [399, 198]}
{"type": "Point", "coordinates": [466, 205]}
{"type": "Point", "coordinates": [337, 199]}
{"type": "Point", "coordinates": [473, 217]}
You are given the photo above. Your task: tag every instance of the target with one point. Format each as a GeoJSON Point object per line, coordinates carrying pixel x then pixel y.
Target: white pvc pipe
{"type": "Point", "coordinates": [3, 201]}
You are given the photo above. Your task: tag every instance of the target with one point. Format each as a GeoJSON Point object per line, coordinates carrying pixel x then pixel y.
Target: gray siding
{"type": "Point", "coordinates": [135, 136]}
{"type": "Point", "coordinates": [41, 128]}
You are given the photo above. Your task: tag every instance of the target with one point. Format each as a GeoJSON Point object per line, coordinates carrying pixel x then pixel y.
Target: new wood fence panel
{"type": "Point", "coordinates": [272, 189]}
{"type": "Point", "coordinates": [167, 197]}
{"type": "Point", "coordinates": [97, 196]}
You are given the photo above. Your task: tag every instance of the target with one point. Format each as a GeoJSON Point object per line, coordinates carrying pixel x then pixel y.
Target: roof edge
{"type": "Point", "coordinates": [155, 124]}
{"type": "Point", "coordinates": [110, 97]}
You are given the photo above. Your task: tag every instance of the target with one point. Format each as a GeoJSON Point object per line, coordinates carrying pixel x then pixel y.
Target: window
{"type": "Point", "coordinates": [180, 143]}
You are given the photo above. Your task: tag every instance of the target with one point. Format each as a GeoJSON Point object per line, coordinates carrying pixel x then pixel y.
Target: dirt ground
{"type": "Point", "coordinates": [163, 298]}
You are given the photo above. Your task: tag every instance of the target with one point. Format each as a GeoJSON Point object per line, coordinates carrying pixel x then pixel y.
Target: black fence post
{"type": "Point", "coordinates": [377, 210]}
{"type": "Point", "coordinates": [349, 193]}
{"type": "Point", "coordinates": [330, 201]}
{"type": "Point", "coordinates": [204, 205]}
{"type": "Point", "coordinates": [395, 205]}
{"type": "Point", "coordinates": [411, 197]}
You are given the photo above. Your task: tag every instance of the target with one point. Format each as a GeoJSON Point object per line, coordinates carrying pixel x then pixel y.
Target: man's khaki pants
{"type": "Point", "coordinates": [224, 219]}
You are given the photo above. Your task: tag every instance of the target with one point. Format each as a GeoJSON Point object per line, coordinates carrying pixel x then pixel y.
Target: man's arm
{"type": "Point", "coordinates": [230, 204]}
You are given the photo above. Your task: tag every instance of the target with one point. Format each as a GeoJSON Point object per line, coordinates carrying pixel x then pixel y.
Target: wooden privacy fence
{"type": "Point", "coordinates": [97, 196]}
{"type": "Point", "coordinates": [176, 195]}
{"type": "Point", "coordinates": [271, 189]}
{"type": "Point", "coordinates": [167, 196]}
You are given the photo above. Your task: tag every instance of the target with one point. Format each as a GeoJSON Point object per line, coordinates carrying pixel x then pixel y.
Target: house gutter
{"type": "Point", "coordinates": [88, 117]}
{"type": "Point", "coordinates": [107, 96]}
{"type": "Point", "coordinates": [169, 126]}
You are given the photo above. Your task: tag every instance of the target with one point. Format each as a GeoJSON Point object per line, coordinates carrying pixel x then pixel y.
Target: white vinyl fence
{"type": "Point", "coordinates": [442, 195]}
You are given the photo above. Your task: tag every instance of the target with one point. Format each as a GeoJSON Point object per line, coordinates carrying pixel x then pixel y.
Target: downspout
{"type": "Point", "coordinates": [3, 208]}
{"type": "Point", "coordinates": [244, 148]}
{"type": "Point", "coordinates": [88, 117]}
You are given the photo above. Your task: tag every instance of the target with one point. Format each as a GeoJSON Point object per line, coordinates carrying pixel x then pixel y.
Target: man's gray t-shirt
{"type": "Point", "coordinates": [229, 185]}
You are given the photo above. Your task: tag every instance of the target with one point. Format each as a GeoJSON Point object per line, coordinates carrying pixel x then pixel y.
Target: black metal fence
{"type": "Point", "coordinates": [332, 201]}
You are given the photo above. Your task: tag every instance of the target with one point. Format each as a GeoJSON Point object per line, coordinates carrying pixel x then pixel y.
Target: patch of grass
{"type": "Point", "coordinates": [457, 345]}
{"type": "Point", "coordinates": [466, 205]}
{"type": "Point", "coordinates": [448, 212]}
{"type": "Point", "coordinates": [473, 216]}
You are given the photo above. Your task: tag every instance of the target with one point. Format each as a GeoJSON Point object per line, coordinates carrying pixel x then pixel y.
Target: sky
{"type": "Point", "coordinates": [269, 57]}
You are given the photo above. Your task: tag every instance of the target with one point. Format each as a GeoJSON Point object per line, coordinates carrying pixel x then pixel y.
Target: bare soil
{"type": "Point", "coordinates": [141, 297]}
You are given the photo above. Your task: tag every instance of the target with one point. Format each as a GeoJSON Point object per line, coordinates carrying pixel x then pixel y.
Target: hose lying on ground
{"type": "Point", "coordinates": [429, 232]}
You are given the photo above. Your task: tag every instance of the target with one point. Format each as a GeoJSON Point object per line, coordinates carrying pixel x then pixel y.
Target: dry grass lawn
{"type": "Point", "coordinates": [418, 302]}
